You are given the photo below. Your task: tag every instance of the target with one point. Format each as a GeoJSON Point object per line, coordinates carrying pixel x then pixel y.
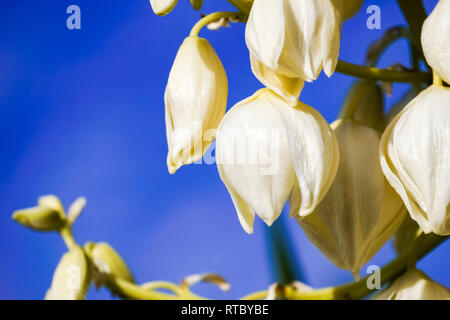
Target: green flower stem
{"type": "Point", "coordinates": [214, 17]}
{"type": "Point", "coordinates": [371, 73]}
{"type": "Point", "coordinates": [163, 285]}
{"type": "Point", "coordinates": [377, 48]}
{"type": "Point", "coordinates": [415, 15]}
{"type": "Point", "coordinates": [66, 234]}
{"type": "Point", "coordinates": [243, 5]}
{"type": "Point", "coordinates": [359, 289]}
{"type": "Point", "coordinates": [129, 290]}
{"type": "Point", "coordinates": [283, 263]}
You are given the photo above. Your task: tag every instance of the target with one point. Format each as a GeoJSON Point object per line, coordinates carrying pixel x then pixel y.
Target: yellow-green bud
{"type": "Point", "coordinates": [71, 278]}
{"type": "Point", "coordinates": [107, 261]}
{"type": "Point", "coordinates": [40, 219]}
{"type": "Point", "coordinates": [196, 4]}
{"type": "Point", "coordinates": [364, 103]}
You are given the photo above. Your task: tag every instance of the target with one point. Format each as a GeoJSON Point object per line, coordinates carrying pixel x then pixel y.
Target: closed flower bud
{"type": "Point", "coordinates": [107, 261]}
{"type": "Point", "coordinates": [195, 99]}
{"type": "Point", "coordinates": [291, 41]}
{"type": "Point", "coordinates": [415, 158]}
{"type": "Point", "coordinates": [347, 8]}
{"type": "Point", "coordinates": [361, 211]}
{"type": "Point", "coordinates": [71, 278]}
{"type": "Point", "coordinates": [163, 7]}
{"type": "Point", "coordinates": [47, 216]}
{"type": "Point", "coordinates": [414, 285]}
{"type": "Point", "coordinates": [264, 146]}
{"type": "Point", "coordinates": [436, 39]}
{"type": "Point", "coordinates": [364, 103]}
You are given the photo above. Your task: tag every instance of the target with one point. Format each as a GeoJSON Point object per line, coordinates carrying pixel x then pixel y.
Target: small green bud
{"type": "Point", "coordinates": [71, 278]}
{"type": "Point", "coordinates": [40, 219]}
{"type": "Point", "coordinates": [107, 261]}
{"type": "Point", "coordinates": [196, 4]}
{"type": "Point", "coordinates": [364, 103]}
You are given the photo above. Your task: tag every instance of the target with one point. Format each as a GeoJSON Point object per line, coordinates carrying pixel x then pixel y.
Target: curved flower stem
{"type": "Point", "coordinates": [214, 17]}
{"type": "Point", "coordinates": [354, 290]}
{"type": "Point", "coordinates": [243, 5]}
{"type": "Point", "coordinates": [359, 289]}
{"type": "Point", "coordinates": [378, 47]}
{"type": "Point", "coordinates": [163, 285]}
{"type": "Point", "coordinates": [129, 290]}
{"type": "Point", "coordinates": [371, 73]}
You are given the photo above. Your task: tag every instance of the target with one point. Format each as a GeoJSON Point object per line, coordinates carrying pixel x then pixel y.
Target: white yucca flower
{"type": "Point", "coordinates": [361, 211]}
{"type": "Point", "coordinates": [195, 99]}
{"type": "Point", "coordinates": [415, 158]}
{"type": "Point", "coordinates": [264, 147]}
{"type": "Point", "coordinates": [163, 7]}
{"type": "Point", "coordinates": [290, 41]}
{"type": "Point", "coordinates": [414, 285]}
{"type": "Point", "coordinates": [436, 39]}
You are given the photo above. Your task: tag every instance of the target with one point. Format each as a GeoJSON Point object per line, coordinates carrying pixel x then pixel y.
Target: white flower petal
{"type": "Point", "coordinates": [195, 99]}
{"type": "Point", "coordinates": [415, 158]}
{"type": "Point", "coordinates": [286, 87]}
{"type": "Point", "coordinates": [361, 211]}
{"type": "Point", "coordinates": [253, 158]}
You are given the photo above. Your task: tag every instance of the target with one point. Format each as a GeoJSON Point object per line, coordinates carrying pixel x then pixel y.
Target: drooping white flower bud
{"type": "Point", "coordinates": [347, 8]}
{"type": "Point", "coordinates": [415, 158]}
{"type": "Point", "coordinates": [292, 40]}
{"type": "Point", "coordinates": [361, 211]}
{"type": "Point", "coordinates": [163, 7]}
{"type": "Point", "coordinates": [414, 285]}
{"type": "Point", "coordinates": [264, 146]}
{"type": "Point", "coordinates": [71, 278]}
{"type": "Point", "coordinates": [195, 99]}
{"type": "Point", "coordinates": [436, 39]}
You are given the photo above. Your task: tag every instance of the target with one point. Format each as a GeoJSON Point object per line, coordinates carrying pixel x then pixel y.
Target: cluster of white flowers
{"type": "Point", "coordinates": [348, 184]}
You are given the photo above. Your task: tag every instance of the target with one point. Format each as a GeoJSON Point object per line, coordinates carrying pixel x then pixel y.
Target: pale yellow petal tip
{"type": "Point", "coordinates": [173, 167]}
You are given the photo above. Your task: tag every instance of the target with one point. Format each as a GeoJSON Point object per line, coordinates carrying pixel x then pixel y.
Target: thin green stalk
{"type": "Point", "coordinates": [283, 263]}
{"type": "Point", "coordinates": [377, 74]}
{"type": "Point", "coordinates": [129, 290]}
{"type": "Point", "coordinates": [214, 17]}
{"type": "Point", "coordinates": [66, 234]}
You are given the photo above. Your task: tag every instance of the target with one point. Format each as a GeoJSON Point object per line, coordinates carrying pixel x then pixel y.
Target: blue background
{"type": "Point", "coordinates": [82, 113]}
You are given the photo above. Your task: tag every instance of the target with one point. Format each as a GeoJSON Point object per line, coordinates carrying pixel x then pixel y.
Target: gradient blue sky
{"type": "Point", "coordinates": [82, 113]}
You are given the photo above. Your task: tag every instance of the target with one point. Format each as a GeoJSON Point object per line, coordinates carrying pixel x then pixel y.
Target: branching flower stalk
{"type": "Point", "coordinates": [354, 290]}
